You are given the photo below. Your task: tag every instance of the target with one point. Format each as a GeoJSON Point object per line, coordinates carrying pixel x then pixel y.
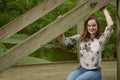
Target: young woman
{"type": "Point", "coordinates": [92, 43]}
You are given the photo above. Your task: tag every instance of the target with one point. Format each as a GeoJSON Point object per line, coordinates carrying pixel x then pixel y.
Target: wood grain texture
{"type": "Point", "coordinates": [113, 2]}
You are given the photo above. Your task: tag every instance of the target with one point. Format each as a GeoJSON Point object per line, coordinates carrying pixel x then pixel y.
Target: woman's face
{"type": "Point", "coordinates": [92, 27]}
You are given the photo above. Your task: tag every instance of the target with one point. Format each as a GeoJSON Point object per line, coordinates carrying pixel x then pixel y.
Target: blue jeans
{"type": "Point", "coordinates": [83, 74]}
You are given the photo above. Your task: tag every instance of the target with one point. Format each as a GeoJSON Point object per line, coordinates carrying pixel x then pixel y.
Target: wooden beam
{"type": "Point", "coordinates": [113, 2]}
{"type": "Point", "coordinates": [80, 27]}
{"type": "Point", "coordinates": [28, 18]}
{"type": "Point", "coordinates": [118, 39]}
{"type": "Point", "coordinates": [50, 32]}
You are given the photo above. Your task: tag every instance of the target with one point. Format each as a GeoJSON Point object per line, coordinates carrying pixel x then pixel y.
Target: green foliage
{"type": "Point", "coordinates": [18, 5]}
{"type": "Point", "coordinates": [15, 39]}
{"type": "Point", "coordinates": [10, 9]}
{"type": "Point", "coordinates": [109, 51]}
{"type": "Point", "coordinates": [55, 52]}
{"type": "Point", "coordinates": [31, 60]}
{"type": "Point", "coordinates": [2, 48]}
{"type": "Point", "coordinates": [5, 18]}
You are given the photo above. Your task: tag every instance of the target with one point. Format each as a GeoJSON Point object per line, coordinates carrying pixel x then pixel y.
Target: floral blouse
{"type": "Point", "coordinates": [91, 51]}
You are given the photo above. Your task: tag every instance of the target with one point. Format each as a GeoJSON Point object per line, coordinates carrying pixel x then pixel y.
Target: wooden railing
{"type": "Point", "coordinates": [45, 35]}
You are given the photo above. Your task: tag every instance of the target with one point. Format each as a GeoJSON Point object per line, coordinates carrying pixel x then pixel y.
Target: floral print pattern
{"type": "Point", "coordinates": [91, 51]}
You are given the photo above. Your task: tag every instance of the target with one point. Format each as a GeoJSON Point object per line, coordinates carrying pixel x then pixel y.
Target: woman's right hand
{"type": "Point", "coordinates": [61, 39]}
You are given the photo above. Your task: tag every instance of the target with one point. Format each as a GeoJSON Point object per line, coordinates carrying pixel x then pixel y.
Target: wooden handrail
{"type": "Point", "coordinates": [50, 32]}
{"type": "Point", "coordinates": [28, 18]}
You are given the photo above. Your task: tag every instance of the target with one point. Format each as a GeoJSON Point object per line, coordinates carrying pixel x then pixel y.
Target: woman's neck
{"type": "Point", "coordinates": [92, 36]}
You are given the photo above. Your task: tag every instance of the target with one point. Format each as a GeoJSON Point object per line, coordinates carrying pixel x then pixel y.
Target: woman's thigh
{"type": "Point", "coordinates": [73, 75]}
{"type": "Point", "coordinates": [90, 75]}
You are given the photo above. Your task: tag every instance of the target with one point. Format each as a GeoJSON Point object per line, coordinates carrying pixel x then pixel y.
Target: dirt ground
{"type": "Point", "coordinates": [53, 71]}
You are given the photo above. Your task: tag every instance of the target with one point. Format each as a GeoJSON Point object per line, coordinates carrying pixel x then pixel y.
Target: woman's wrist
{"type": "Point", "coordinates": [102, 9]}
{"type": "Point", "coordinates": [61, 39]}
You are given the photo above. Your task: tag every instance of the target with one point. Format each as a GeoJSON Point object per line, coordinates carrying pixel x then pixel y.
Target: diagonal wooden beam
{"type": "Point", "coordinates": [28, 18]}
{"type": "Point", "coordinates": [113, 2]}
{"type": "Point", "coordinates": [50, 32]}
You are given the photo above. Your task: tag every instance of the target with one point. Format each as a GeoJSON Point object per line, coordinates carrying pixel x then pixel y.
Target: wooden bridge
{"type": "Point", "coordinates": [50, 32]}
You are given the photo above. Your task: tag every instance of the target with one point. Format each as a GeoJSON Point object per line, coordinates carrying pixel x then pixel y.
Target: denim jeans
{"type": "Point", "coordinates": [83, 74]}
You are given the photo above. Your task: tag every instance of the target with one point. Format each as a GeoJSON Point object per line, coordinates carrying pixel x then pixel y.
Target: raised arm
{"type": "Point", "coordinates": [69, 40]}
{"type": "Point", "coordinates": [108, 18]}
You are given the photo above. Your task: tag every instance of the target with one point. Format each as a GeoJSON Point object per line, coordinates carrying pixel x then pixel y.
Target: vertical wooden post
{"type": "Point", "coordinates": [118, 39]}
{"type": "Point", "coordinates": [80, 26]}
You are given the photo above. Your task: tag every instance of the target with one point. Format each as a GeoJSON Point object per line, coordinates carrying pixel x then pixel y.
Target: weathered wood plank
{"type": "Point", "coordinates": [80, 26]}
{"type": "Point", "coordinates": [57, 71]}
{"type": "Point", "coordinates": [28, 18]}
{"type": "Point", "coordinates": [113, 2]}
{"type": "Point", "coordinates": [118, 39]}
{"type": "Point", "coordinates": [50, 32]}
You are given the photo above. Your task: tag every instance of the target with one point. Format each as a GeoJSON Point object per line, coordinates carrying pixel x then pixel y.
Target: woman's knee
{"type": "Point", "coordinates": [73, 75]}
{"type": "Point", "coordinates": [90, 75]}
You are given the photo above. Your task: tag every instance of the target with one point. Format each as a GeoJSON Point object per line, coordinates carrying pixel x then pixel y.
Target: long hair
{"type": "Point", "coordinates": [86, 36]}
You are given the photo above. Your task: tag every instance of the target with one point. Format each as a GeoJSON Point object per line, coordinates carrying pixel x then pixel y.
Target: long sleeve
{"type": "Point", "coordinates": [106, 35]}
{"type": "Point", "coordinates": [72, 40]}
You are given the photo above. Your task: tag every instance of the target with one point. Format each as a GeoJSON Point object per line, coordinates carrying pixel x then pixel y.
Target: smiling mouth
{"type": "Point", "coordinates": [92, 30]}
